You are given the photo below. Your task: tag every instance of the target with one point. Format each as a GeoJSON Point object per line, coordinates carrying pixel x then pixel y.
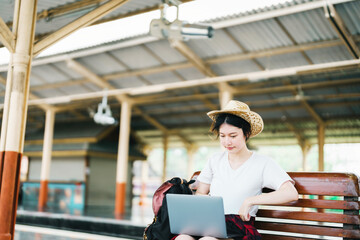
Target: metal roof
{"type": "Point", "coordinates": [320, 74]}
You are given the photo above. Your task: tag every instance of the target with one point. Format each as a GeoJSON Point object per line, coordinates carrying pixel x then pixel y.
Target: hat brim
{"type": "Point", "coordinates": [254, 119]}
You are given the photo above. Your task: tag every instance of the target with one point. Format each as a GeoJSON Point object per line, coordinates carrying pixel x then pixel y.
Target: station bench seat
{"type": "Point", "coordinates": [328, 206]}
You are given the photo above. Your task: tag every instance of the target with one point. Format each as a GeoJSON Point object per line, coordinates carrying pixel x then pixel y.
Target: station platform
{"type": "Point", "coordinates": [96, 220]}
{"type": "Point", "coordinates": [25, 232]}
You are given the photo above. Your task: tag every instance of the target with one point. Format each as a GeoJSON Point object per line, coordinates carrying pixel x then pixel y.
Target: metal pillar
{"type": "Point", "coordinates": [14, 117]}
{"type": "Point", "coordinates": [122, 160]}
{"type": "Point", "coordinates": [46, 157]}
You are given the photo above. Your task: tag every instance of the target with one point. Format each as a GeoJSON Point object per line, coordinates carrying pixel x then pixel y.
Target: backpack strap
{"type": "Point", "coordinates": [160, 192]}
{"type": "Point", "coordinates": [159, 196]}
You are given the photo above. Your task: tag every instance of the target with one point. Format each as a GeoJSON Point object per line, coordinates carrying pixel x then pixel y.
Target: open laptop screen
{"type": "Point", "coordinates": [196, 215]}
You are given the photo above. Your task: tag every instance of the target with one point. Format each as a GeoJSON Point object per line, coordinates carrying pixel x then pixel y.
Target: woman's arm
{"type": "Point", "coordinates": [286, 193]}
{"type": "Point", "coordinates": [203, 189]}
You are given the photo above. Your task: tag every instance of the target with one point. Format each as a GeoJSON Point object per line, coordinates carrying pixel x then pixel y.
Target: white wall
{"type": "Point", "coordinates": [62, 169]}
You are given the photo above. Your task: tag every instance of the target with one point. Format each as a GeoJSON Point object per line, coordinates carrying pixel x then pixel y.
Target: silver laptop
{"type": "Point", "coordinates": [196, 215]}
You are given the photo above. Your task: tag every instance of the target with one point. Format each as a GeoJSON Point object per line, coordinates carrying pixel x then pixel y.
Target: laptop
{"type": "Point", "coordinates": [196, 215]}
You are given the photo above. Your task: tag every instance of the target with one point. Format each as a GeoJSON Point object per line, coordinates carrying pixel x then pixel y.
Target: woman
{"type": "Point", "coordinates": [238, 174]}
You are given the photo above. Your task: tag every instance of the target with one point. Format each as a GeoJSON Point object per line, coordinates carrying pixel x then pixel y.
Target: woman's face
{"type": "Point", "coordinates": [232, 138]}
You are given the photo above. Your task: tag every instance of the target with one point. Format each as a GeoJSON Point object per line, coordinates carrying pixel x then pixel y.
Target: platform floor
{"type": "Point", "coordinates": [101, 221]}
{"type": "Point", "coordinates": [23, 232]}
{"type": "Point", "coordinates": [138, 214]}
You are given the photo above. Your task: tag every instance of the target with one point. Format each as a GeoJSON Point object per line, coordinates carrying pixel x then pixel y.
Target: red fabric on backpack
{"type": "Point", "coordinates": [159, 196]}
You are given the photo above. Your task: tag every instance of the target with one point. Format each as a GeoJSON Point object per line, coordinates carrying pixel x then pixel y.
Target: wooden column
{"type": "Point", "coordinates": [165, 147]}
{"type": "Point", "coordinates": [122, 160]}
{"type": "Point", "coordinates": [190, 167]}
{"type": "Point", "coordinates": [305, 150]}
{"type": "Point", "coordinates": [321, 143]}
{"type": "Point", "coordinates": [225, 94]}
{"type": "Point", "coordinates": [46, 158]}
{"type": "Point", "coordinates": [14, 117]}
{"type": "Point", "coordinates": [144, 180]}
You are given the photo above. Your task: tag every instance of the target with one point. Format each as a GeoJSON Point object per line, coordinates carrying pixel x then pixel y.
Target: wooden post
{"type": "Point", "coordinates": [14, 117]}
{"type": "Point", "coordinates": [165, 146]}
{"type": "Point", "coordinates": [144, 180]}
{"type": "Point", "coordinates": [122, 160]}
{"type": "Point", "coordinates": [305, 147]}
{"type": "Point", "coordinates": [190, 167]}
{"type": "Point", "coordinates": [225, 94]}
{"type": "Point", "coordinates": [321, 143]}
{"type": "Point", "coordinates": [46, 158]}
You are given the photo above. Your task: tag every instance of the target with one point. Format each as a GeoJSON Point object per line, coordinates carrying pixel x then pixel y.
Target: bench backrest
{"type": "Point", "coordinates": [328, 205]}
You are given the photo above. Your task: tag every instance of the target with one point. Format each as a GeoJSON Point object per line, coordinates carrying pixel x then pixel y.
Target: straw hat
{"type": "Point", "coordinates": [242, 110]}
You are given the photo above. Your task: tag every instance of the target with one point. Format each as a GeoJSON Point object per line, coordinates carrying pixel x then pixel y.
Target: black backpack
{"type": "Point", "coordinates": [159, 229]}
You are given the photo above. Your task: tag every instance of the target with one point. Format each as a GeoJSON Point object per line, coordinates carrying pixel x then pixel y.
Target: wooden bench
{"type": "Point", "coordinates": [328, 208]}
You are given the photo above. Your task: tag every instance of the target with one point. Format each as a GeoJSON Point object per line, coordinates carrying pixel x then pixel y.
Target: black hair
{"type": "Point", "coordinates": [232, 120]}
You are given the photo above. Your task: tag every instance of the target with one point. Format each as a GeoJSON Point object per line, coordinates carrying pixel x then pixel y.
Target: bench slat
{"type": "Point", "coordinates": [327, 184]}
{"type": "Point", "coordinates": [266, 236]}
{"type": "Point", "coordinates": [305, 229]}
{"type": "Point", "coordinates": [310, 216]}
{"type": "Point", "coordinates": [326, 204]}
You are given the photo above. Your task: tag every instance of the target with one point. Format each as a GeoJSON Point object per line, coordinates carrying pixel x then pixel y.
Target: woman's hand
{"type": "Point", "coordinates": [245, 209]}
{"type": "Point", "coordinates": [286, 193]}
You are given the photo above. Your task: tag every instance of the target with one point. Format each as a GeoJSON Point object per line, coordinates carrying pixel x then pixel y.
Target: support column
{"type": "Point", "coordinates": [144, 180]}
{"type": "Point", "coordinates": [305, 150]}
{"type": "Point", "coordinates": [190, 167]}
{"type": "Point", "coordinates": [225, 94]}
{"type": "Point", "coordinates": [122, 160]}
{"type": "Point", "coordinates": [165, 146]}
{"type": "Point", "coordinates": [321, 143]}
{"type": "Point", "coordinates": [46, 158]}
{"type": "Point", "coordinates": [14, 117]}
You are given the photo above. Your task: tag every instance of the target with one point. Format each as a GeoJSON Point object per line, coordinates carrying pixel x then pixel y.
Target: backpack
{"type": "Point", "coordinates": [159, 229]}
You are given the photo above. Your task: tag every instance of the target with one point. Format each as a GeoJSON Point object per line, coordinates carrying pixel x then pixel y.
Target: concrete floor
{"type": "Point", "coordinates": [24, 232]}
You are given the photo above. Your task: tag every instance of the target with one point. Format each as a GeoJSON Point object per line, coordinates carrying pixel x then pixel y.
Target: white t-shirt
{"type": "Point", "coordinates": [234, 186]}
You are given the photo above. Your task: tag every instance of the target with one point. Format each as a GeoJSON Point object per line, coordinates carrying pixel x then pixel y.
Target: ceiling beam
{"type": "Point", "coordinates": [207, 103]}
{"type": "Point", "coordinates": [283, 28]}
{"type": "Point", "coordinates": [264, 15]}
{"type": "Point", "coordinates": [303, 86]}
{"type": "Point", "coordinates": [161, 127]}
{"type": "Point", "coordinates": [85, 72]}
{"type": "Point", "coordinates": [104, 84]}
{"type": "Point", "coordinates": [6, 36]}
{"type": "Point", "coordinates": [341, 30]}
{"type": "Point", "coordinates": [243, 49]}
{"type": "Point", "coordinates": [84, 4]}
{"type": "Point", "coordinates": [192, 57]}
{"type": "Point", "coordinates": [245, 77]}
{"type": "Point", "coordinates": [307, 106]}
{"type": "Point", "coordinates": [67, 9]}
{"type": "Point", "coordinates": [177, 66]}
{"type": "Point", "coordinates": [147, 71]}
{"type": "Point", "coordinates": [137, 41]}
{"type": "Point", "coordinates": [243, 91]}
{"type": "Point", "coordinates": [79, 23]}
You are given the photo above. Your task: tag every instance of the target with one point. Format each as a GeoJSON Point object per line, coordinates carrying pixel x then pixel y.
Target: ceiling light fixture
{"type": "Point", "coordinates": [103, 115]}
{"type": "Point", "coordinates": [177, 29]}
